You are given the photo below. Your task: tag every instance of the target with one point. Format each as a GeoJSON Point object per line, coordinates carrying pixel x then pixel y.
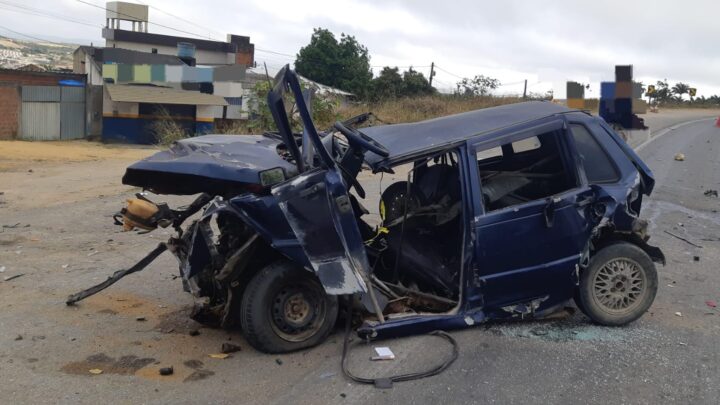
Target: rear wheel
{"type": "Point", "coordinates": [285, 308]}
{"type": "Point", "coordinates": [618, 286]}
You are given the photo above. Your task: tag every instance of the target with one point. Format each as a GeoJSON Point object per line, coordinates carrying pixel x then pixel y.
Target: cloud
{"type": "Point", "coordinates": [548, 41]}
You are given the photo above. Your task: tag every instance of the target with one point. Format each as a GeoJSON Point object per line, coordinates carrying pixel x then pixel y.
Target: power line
{"type": "Point", "coordinates": [31, 37]}
{"type": "Point", "coordinates": [23, 9]}
{"type": "Point", "coordinates": [450, 73]}
{"type": "Point", "coordinates": [179, 18]}
{"type": "Point", "coordinates": [126, 15]}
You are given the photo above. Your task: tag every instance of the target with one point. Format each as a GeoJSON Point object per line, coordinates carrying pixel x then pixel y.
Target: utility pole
{"type": "Point", "coordinates": [525, 89]}
{"type": "Point", "coordinates": [432, 72]}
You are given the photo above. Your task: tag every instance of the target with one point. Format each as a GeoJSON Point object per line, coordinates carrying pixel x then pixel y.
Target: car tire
{"type": "Point", "coordinates": [619, 285]}
{"type": "Point", "coordinates": [285, 308]}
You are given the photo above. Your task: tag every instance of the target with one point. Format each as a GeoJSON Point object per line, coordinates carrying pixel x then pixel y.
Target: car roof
{"type": "Point", "coordinates": [409, 139]}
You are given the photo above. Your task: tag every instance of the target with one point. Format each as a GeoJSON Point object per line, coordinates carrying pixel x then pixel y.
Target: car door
{"type": "Point", "coordinates": [316, 203]}
{"type": "Point", "coordinates": [528, 251]}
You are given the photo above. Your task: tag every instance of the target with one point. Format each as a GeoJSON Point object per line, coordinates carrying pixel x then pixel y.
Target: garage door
{"type": "Point", "coordinates": [40, 121]}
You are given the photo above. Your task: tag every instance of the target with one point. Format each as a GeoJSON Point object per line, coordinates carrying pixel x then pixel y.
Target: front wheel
{"type": "Point", "coordinates": [285, 308]}
{"type": "Point", "coordinates": [618, 286]}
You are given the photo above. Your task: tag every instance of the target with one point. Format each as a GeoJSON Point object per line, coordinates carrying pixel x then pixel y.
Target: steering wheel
{"type": "Point", "coordinates": [357, 138]}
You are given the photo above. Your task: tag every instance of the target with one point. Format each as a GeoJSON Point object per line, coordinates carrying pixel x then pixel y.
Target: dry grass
{"type": "Point", "coordinates": [420, 108]}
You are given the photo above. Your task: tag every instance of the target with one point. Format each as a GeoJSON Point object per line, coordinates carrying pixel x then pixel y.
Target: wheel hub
{"type": "Point", "coordinates": [297, 310]}
{"type": "Point", "coordinates": [619, 284]}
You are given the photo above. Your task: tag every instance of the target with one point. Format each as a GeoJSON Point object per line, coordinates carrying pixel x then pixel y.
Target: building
{"type": "Point", "coordinates": [140, 78]}
{"type": "Point", "coordinates": [41, 105]}
{"type": "Point", "coordinates": [236, 51]}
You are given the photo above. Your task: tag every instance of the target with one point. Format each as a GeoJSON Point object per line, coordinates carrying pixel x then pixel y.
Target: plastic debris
{"type": "Point", "coordinates": [65, 266]}
{"type": "Point", "coordinates": [711, 303]}
{"type": "Point", "coordinates": [95, 371]}
{"type": "Point", "coordinates": [141, 319]}
{"type": "Point", "coordinates": [279, 362]}
{"type": "Point", "coordinates": [383, 353]}
{"type": "Point", "coordinates": [219, 356]}
{"type": "Point", "coordinates": [8, 278]}
{"type": "Point", "coordinates": [2, 269]}
{"type": "Point", "coordinates": [711, 193]}
{"type": "Point", "coordinates": [166, 371]}
{"type": "Point", "coordinates": [679, 157]}
{"type": "Point", "coordinates": [678, 313]}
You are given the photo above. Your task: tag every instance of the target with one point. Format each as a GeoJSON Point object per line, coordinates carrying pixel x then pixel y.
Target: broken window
{"type": "Point", "coordinates": [528, 169]}
{"type": "Point", "coordinates": [598, 166]}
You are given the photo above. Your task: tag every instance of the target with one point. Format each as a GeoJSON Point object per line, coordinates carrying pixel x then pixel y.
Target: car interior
{"type": "Point", "coordinates": [522, 171]}
{"type": "Point", "coordinates": [404, 249]}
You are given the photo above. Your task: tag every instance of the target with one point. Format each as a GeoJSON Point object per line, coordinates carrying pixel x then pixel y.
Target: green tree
{"type": "Point", "coordinates": [679, 89]}
{"type": "Point", "coordinates": [415, 84]}
{"type": "Point", "coordinates": [344, 64]}
{"type": "Point", "coordinates": [662, 91]}
{"type": "Point", "coordinates": [388, 84]}
{"type": "Point", "coordinates": [480, 85]}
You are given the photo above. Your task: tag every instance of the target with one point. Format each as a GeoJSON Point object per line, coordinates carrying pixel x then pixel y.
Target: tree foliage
{"type": "Point", "coordinates": [480, 85]}
{"type": "Point", "coordinates": [679, 89]}
{"type": "Point", "coordinates": [390, 84]}
{"type": "Point", "coordinates": [344, 64]}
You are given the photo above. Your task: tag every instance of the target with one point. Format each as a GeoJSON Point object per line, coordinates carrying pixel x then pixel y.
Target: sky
{"type": "Point", "coordinates": [544, 42]}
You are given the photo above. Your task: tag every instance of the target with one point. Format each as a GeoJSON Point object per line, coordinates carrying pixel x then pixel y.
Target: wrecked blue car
{"type": "Point", "coordinates": [505, 212]}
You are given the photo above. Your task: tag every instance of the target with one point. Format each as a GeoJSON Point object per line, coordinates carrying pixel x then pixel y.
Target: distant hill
{"type": "Point", "coordinates": [15, 53]}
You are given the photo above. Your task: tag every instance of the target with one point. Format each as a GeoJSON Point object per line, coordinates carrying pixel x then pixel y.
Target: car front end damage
{"type": "Point", "coordinates": [274, 239]}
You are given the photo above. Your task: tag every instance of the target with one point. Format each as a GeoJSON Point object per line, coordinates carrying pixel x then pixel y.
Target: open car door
{"type": "Point", "coordinates": [316, 203]}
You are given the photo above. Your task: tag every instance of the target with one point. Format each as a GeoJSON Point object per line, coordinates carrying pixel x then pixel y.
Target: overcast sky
{"type": "Point", "coordinates": [545, 42]}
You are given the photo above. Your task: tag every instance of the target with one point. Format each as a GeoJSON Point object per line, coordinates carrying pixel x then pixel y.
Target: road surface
{"type": "Point", "coordinates": [62, 244]}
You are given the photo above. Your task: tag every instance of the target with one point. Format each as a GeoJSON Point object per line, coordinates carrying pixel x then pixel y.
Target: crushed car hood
{"type": "Point", "coordinates": [215, 164]}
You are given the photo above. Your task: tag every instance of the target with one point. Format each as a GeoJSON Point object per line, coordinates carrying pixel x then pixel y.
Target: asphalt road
{"type": "Point", "coordinates": [47, 349]}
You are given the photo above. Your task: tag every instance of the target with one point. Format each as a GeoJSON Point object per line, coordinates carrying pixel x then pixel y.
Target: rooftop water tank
{"type": "Point", "coordinates": [185, 50]}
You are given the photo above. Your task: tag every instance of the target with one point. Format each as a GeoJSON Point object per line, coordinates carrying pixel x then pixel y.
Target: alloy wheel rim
{"type": "Point", "coordinates": [619, 285]}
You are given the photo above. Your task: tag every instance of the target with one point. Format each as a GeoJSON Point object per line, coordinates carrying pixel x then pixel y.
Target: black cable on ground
{"type": "Point", "coordinates": [387, 382]}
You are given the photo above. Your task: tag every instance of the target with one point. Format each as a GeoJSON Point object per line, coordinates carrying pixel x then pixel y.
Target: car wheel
{"type": "Point", "coordinates": [619, 285]}
{"type": "Point", "coordinates": [285, 308]}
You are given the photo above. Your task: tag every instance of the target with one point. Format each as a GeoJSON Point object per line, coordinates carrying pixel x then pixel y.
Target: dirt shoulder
{"type": "Point", "coordinates": [42, 174]}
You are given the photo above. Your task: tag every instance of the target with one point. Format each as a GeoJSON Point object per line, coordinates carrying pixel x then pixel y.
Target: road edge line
{"type": "Point", "coordinates": [669, 129]}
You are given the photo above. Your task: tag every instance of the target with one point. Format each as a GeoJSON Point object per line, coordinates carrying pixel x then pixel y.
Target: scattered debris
{"type": "Point", "coordinates": [279, 362]}
{"type": "Point", "coordinates": [95, 371]}
{"type": "Point", "coordinates": [383, 353]}
{"type": "Point", "coordinates": [678, 313]}
{"type": "Point", "coordinates": [696, 258]}
{"type": "Point", "coordinates": [92, 253]}
{"type": "Point", "coordinates": [141, 319]}
{"type": "Point", "coordinates": [682, 343]}
{"type": "Point", "coordinates": [194, 332]}
{"type": "Point", "coordinates": [683, 239]}
{"type": "Point", "coordinates": [219, 355]}
{"type": "Point", "coordinates": [65, 266]}
{"type": "Point", "coordinates": [8, 278]}
{"type": "Point", "coordinates": [30, 170]}
{"type": "Point", "coordinates": [711, 193]}
{"type": "Point", "coordinates": [11, 226]}
{"type": "Point", "coordinates": [2, 269]}
{"type": "Point", "coordinates": [680, 157]}
{"type": "Point", "coordinates": [166, 371]}
{"type": "Point", "coordinates": [711, 303]}
{"type": "Point", "coordinates": [230, 348]}
{"type": "Point", "coordinates": [18, 337]}
{"type": "Point", "coordinates": [342, 394]}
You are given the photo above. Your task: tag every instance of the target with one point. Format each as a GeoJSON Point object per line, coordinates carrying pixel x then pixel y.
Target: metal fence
{"type": "Point", "coordinates": [52, 113]}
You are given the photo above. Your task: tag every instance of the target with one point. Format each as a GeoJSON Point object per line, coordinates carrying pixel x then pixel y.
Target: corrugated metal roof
{"type": "Point", "coordinates": [160, 95]}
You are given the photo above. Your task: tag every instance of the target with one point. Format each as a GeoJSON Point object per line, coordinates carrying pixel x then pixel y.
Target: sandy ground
{"type": "Point", "coordinates": [55, 231]}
